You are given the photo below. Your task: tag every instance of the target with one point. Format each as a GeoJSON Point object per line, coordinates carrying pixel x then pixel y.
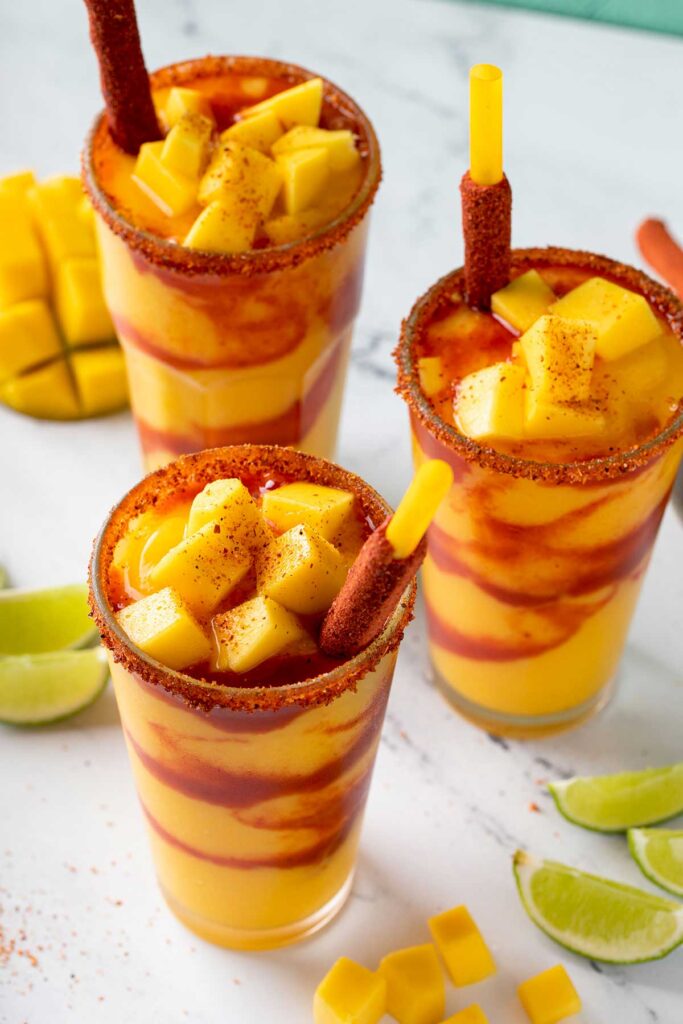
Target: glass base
{"type": "Point", "coordinates": [524, 726]}
{"type": "Point", "coordinates": [260, 938]}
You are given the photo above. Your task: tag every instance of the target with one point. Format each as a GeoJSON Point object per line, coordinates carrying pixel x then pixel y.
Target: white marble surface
{"type": "Point", "coordinates": [589, 151]}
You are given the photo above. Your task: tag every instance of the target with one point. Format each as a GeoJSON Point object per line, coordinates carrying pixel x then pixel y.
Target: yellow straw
{"type": "Point", "coordinates": [418, 506]}
{"type": "Point", "coordinates": [486, 124]}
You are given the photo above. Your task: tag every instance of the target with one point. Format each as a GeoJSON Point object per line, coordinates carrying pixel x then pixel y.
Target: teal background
{"type": "Point", "coordinates": [656, 15]}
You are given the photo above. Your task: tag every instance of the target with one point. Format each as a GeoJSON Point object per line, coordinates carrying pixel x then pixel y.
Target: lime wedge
{"type": "Point", "coordinates": [33, 621]}
{"type": "Point", "coordinates": [615, 803]}
{"type": "Point", "coordinates": [40, 688]}
{"type": "Point", "coordinates": [658, 852]}
{"type": "Point", "coordinates": [595, 917]}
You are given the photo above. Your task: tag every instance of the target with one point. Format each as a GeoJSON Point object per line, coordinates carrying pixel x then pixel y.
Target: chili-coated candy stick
{"type": "Point", "coordinates": [662, 252]}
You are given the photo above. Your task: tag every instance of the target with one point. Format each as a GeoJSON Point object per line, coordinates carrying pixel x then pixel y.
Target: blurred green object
{"type": "Point", "coordinates": [655, 15]}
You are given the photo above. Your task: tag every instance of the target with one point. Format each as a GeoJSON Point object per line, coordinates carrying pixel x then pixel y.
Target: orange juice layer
{"type": "Point", "coordinates": [254, 815]}
{"type": "Point", "coordinates": [531, 581]}
{"type": "Point", "coordinates": [231, 353]}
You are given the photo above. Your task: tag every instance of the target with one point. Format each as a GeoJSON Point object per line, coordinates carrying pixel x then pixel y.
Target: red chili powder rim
{"type": "Point", "coordinates": [589, 471]}
{"type": "Point", "coordinates": [171, 255]}
{"type": "Point", "coordinates": [194, 471]}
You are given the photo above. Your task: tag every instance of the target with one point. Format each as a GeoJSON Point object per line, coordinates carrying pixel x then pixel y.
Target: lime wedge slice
{"type": "Point", "coordinates": [595, 917]}
{"type": "Point", "coordinates": [40, 688]}
{"type": "Point", "coordinates": [615, 803]}
{"type": "Point", "coordinates": [33, 621]}
{"type": "Point", "coordinates": [658, 852]}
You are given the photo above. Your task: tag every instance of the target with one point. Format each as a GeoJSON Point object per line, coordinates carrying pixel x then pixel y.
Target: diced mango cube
{"type": "Point", "coordinates": [28, 335]}
{"type": "Point", "coordinates": [80, 306]}
{"type": "Point", "coordinates": [304, 173]}
{"type": "Point", "coordinates": [238, 170]}
{"type": "Point", "coordinates": [432, 376]}
{"type": "Point", "coordinates": [546, 420]}
{"type": "Point", "coordinates": [290, 227]}
{"type": "Point", "coordinates": [162, 626]}
{"type": "Point", "coordinates": [186, 147]}
{"type": "Point", "coordinates": [302, 571]}
{"type": "Point", "coordinates": [350, 994]}
{"type": "Point", "coordinates": [172, 192]}
{"type": "Point", "coordinates": [100, 375]}
{"type": "Point", "coordinates": [259, 131]}
{"type": "Point", "coordinates": [203, 568]}
{"type": "Point", "coordinates": [559, 354]}
{"type": "Point", "coordinates": [299, 105]}
{"type": "Point", "coordinates": [641, 370]}
{"type": "Point", "coordinates": [55, 198]}
{"type": "Point", "coordinates": [326, 510]}
{"type": "Point", "coordinates": [168, 533]}
{"type": "Point", "coordinates": [490, 402]}
{"type": "Point", "coordinates": [470, 1015]}
{"type": "Point", "coordinates": [466, 955]}
{"type": "Point", "coordinates": [181, 101]}
{"type": "Point", "coordinates": [23, 271]}
{"type": "Point", "coordinates": [225, 225]}
{"type": "Point", "coordinates": [549, 997]}
{"type": "Point", "coordinates": [252, 632]}
{"type": "Point", "coordinates": [415, 986]}
{"type": "Point", "coordinates": [46, 393]}
{"type": "Point", "coordinates": [67, 236]}
{"type": "Point", "coordinates": [340, 145]}
{"type": "Point", "coordinates": [228, 503]}
{"type": "Point", "coordinates": [19, 182]}
{"type": "Point", "coordinates": [622, 319]}
{"type": "Point", "coordinates": [521, 302]}
{"type": "Point", "coordinates": [14, 189]}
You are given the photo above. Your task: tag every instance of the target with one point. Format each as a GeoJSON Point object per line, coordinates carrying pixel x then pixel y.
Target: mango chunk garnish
{"type": "Point", "coordinates": [100, 375]}
{"type": "Point", "coordinates": [415, 985]}
{"type": "Point", "coordinates": [326, 510]}
{"type": "Point", "coordinates": [163, 627]}
{"type": "Point", "coordinates": [470, 1015]}
{"type": "Point", "coordinates": [559, 354]}
{"type": "Point", "coordinates": [549, 997]}
{"type": "Point", "coordinates": [228, 504]}
{"type": "Point", "coordinates": [299, 105]}
{"type": "Point", "coordinates": [523, 301]}
{"type": "Point", "coordinates": [546, 420]}
{"type": "Point", "coordinates": [253, 632]}
{"type": "Point", "coordinates": [432, 376]}
{"type": "Point", "coordinates": [340, 145]}
{"type": "Point", "coordinates": [28, 335]}
{"type": "Point", "coordinates": [462, 947]}
{"type": "Point", "coordinates": [350, 994]}
{"type": "Point", "coordinates": [172, 192]}
{"type": "Point", "coordinates": [302, 571]}
{"type": "Point", "coordinates": [82, 314]}
{"type": "Point", "coordinates": [46, 393]}
{"type": "Point", "coordinates": [186, 147]}
{"type": "Point", "coordinates": [23, 270]}
{"type": "Point", "coordinates": [490, 402]}
{"type": "Point", "coordinates": [241, 172]}
{"type": "Point", "coordinates": [225, 225]}
{"type": "Point", "coordinates": [304, 174]}
{"type": "Point", "coordinates": [203, 568]}
{"type": "Point", "coordinates": [168, 533]}
{"type": "Point", "coordinates": [181, 101]}
{"type": "Point", "coordinates": [291, 227]}
{"type": "Point", "coordinates": [622, 319]}
{"type": "Point", "coordinates": [259, 131]}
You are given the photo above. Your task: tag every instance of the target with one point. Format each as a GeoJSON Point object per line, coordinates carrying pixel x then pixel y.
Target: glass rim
{"type": "Point", "coordinates": [172, 255]}
{"type": "Point", "coordinates": [315, 691]}
{"type": "Point", "coordinates": [588, 471]}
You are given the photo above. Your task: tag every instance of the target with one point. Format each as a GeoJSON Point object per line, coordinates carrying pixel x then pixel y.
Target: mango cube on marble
{"type": "Point", "coordinates": [46, 393]}
{"type": "Point", "coordinates": [339, 145]}
{"type": "Point", "coordinates": [181, 101]}
{"type": "Point", "coordinates": [186, 147]}
{"type": "Point", "coordinates": [326, 510]}
{"type": "Point", "coordinates": [79, 301]}
{"type": "Point", "coordinates": [55, 198]}
{"type": "Point", "coordinates": [302, 571]}
{"type": "Point", "coordinates": [260, 131]}
{"type": "Point", "coordinates": [549, 997]}
{"type": "Point", "coordinates": [350, 994]}
{"type": "Point", "coordinates": [253, 632]}
{"type": "Point", "coordinates": [28, 335]}
{"type": "Point", "coordinates": [490, 402]}
{"type": "Point", "coordinates": [415, 985]}
{"type": "Point", "coordinates": [521, 302]}
{"type": "Point", "coordinates": [304, 174]}
{"type": "Point", "coordinates": [100, 375]}
{"type": "Point", "coordinates": [23, 270]}
{"type": "Point", "coordinates": [470, 1015]}
{"type": "Point", "coordinates": [65, 237]}
{"type": "Point", "coordinates": [173, 193]}
{"type": "Point", "coordinates": [162, 626]}
{"type": "Point", "coordinates": [462, 947]}
{"type": "Point", "coordinates": [299, 105]}
{"type": "Point", "coordinates": [228, 503]}
{"type": "Point", "coordinates": [622, 319]}
{"type": "Point", "coordinates": [559, 354]}
{"type": "Point", "coordinates": [203, 568]}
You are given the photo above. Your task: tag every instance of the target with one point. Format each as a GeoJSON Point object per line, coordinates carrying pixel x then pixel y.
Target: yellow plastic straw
{"type": "Point", "coordinates": [486, 124]}
{"type": "Point", "coordinates": [418, 506]}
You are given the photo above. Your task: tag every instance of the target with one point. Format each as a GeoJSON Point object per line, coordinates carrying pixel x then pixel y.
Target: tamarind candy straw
{"type": "Point", "coordinates": [662, 252]}
{"type": "Point", "coordinates": [123, 75]}
{"type": "Point", "coordinates": [385, 565]}
{"type": "Point", "coordinates": [485, 191]}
